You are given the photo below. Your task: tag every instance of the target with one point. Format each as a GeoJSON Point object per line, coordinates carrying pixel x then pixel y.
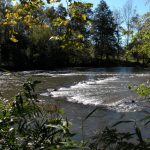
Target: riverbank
{"type": "Point", "coordinates": [94, 64]}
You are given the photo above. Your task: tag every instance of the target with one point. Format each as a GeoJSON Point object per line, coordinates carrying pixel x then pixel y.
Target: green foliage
{"type": "Point", "coordinates": [38, 35]}
{"type": "Point", "coordinates": [24, 124]}
{"type": "Point", "coordinates": [27, 12]}
{"type": "Point", "coordinates": [104, 33]}
{"type": "Point", "coordinates": [143, 90]}
{"type": "Point", "coordinates": [139, 47]}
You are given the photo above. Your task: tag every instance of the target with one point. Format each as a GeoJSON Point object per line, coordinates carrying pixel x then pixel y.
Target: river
{"type": "Point", "coordinates": [80, 90]}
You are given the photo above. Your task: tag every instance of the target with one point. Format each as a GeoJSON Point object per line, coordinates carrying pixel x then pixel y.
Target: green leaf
{"type": "Point", "coordinates": [53, 1]}
{"type": "Point", "coordinates": [84, 17]}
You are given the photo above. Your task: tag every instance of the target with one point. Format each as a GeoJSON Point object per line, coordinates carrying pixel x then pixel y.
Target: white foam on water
{"type": "Point", "coordinates": [98, 92]}
{"type": "Point", "coordinates": [45, 74]}
{"type": "Point", "coordinates": [85, 100]}
{"type": "Point", "coordinates": [80, 85]}
{"type": "Point", "coordinates": [91, 83]}
{"type": "Point", "coordinates": [72, 72]}
{"type": "Point", "coordinates": [53, 74]}
{"type": "Point", "coordinates": [105, 81]}
{"type": "Point", "coordinates": [85, 92]}
{"type": "Point", "coordinates": [61, 73]}
{"type": "Point", "coordinates": [48, 93]}
{"type": "Point", "coordinates": [7, 74]}
{"type": "Point", "coordinates": [50, 90]}
{"type": "Point", "coordinates": [125, 105]}
{"type": "Point", "coordinates": [45, 94]}
{"type": "Point", "coordinates": [142, 75]}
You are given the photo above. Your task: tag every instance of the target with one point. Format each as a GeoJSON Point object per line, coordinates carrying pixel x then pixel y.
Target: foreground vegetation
{"type": "Point", "coordinates": [26, 124]}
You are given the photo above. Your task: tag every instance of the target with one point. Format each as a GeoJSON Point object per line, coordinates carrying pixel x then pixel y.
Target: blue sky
{"type": "Point", "coordinates": [116, 4]}
{"type": "Point", "coordinates": [140, 5]}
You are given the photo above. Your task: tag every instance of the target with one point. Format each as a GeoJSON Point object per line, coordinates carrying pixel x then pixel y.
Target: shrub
{"type": "Point", "coordinates": [26, 125]}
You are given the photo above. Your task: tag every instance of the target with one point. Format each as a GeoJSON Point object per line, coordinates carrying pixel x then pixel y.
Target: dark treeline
{"type": "Point", "coordinates": [101, 41]}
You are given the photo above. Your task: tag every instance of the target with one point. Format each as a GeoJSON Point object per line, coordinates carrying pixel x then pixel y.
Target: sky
{"type": "Point", "coordinates": [140, 5]}
{"type": "Point", "coordinates": [118, 4]}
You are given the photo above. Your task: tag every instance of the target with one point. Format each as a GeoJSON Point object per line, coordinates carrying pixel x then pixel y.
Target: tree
{"type": "Point", "coordinates": [118, 22]}
{"type": "Point", "coordinates": [4, 30]}
{"type": "Point", "coordinates": [104, 32]}
{"type": "Point", "coordinates": [71, 30]}
{"type": "Point", "coordinates": [140, 42]}
{"type": "Point", "coordinates": [128, 13]}
{"type": "Point", "coordinates": [52, 35]}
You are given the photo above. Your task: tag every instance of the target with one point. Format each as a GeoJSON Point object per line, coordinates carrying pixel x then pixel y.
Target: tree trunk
{"type": "Point", "coordinates": [143, 60]}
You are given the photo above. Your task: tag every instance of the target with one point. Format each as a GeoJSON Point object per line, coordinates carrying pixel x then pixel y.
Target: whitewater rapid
{"type": "Point", "coordinates": [106, 90]}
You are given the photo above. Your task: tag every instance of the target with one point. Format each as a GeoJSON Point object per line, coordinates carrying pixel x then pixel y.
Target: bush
{"type": "Point", "coordinates": [26, 125]}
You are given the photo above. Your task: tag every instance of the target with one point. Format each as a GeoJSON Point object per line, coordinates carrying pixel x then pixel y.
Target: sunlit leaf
{"type": "Point", "coordinates": [13, 39]}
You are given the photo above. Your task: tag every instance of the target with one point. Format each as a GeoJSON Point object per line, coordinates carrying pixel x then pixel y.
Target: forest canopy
{"type": "Point", "coordinates": [39, 34]}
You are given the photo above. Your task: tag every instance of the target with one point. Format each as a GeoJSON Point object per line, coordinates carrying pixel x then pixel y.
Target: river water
{"type": "Point", "coordinates": [80, 90]}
